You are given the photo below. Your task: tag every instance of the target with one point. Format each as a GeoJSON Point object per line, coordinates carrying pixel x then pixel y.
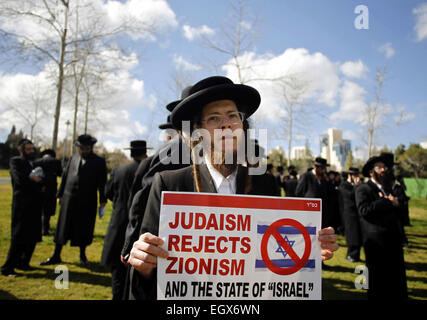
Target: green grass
{"type": "Point", "coordinates": [4, 173]}
{"type": "Point", "coordinates": [94, 282]}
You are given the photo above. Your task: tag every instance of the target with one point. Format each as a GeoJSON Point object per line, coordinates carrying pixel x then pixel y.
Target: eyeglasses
{"type": "Point", "coordinates": [378, 168]}
{"type": "Point", "coordinates": [216, 120]}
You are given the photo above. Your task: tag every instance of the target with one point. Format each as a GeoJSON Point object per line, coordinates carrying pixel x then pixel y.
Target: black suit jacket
{"type": "Point", "coordinates": [117, 190]}
{"type": "Point", "coordinates": [183, 180]}
{"type": "Point", "coordinates": [309, 187]}
{"type": "Point", "coordinates": [349, 214]}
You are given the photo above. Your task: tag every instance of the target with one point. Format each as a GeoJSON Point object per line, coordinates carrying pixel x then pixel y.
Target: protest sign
{"type": "Point", "coordinates": [239, 247]}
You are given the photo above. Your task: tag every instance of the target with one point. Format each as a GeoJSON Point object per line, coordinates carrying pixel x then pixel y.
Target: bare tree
{"type": "Point", "coordinates": [30, 109]}
{"type": "Point", "coordinates": [292, 89]}
{"type": "Point", "coordinates": [54, 39]}
{"type": "Point", "coordinates": [236, 36]}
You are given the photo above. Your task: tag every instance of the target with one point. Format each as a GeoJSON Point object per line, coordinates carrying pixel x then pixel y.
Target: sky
{"type": "Point", "coordinates": [333, 47]}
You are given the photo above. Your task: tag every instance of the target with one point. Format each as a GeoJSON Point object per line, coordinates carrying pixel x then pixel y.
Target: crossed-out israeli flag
{"type": "Point", "coordinates": [278, 254]}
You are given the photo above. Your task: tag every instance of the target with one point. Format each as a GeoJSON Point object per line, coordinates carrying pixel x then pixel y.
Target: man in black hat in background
{"type": "Point", "coordinates": [291, 182]}
{"type": "Point", "coordinates": [117, 190]}
{"type": "Point", "coordinates": [349, 214]}
{"type": "Point", "coordinates": [313, 184]}
{"type": "Point", "coordinates": [381, 234]}
{"type": "Point", "coordinates": [26, 210]}
{"type": "Point", "coordinates": [84, 176]}
{"type": "Point", "coordinates": [52, 169]}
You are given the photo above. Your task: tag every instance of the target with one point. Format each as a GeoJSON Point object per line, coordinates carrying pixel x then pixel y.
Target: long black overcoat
{"type": "Point", "coordinates": [349, 214]}
{"type": "Point", "coordinates": [26, 203]}
{"type": "Point", "coordinates": [382, 241]}
{"type": "Point", "coordinates": [117, 190]}
{"type": "Point", "coordinates": [78, 192]}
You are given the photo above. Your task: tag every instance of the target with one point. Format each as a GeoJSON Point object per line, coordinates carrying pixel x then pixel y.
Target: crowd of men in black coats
{"type": "Point", "coordinates": [371, 215]}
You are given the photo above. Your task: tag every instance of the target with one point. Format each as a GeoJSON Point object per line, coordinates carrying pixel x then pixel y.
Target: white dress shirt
{"type": "Point", "coordinates": [223, 185]}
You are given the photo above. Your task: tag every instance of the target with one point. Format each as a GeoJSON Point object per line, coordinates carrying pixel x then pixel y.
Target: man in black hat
{"type": "Point", "coordinates": [291, 183]}
{"type": "Point", "coordinates": [84, 176]}
{"type": "Point", "coordinates": [117, 190]}
{"type": "Point", "coordinates": [219, 107]}
{"type": "Point", "coordinates": [52, 169]}
{"type": "Point", "coordinates": [349, 213]}
{"type": "Point", "coordinates": [313, 184]}
{"type": "Point", "coordinates": [382, 239]}
{"type": "Point", "coordinates": [26, 210]}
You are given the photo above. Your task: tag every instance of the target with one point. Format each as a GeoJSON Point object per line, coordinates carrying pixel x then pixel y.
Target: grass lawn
{"type": "Point", "coordinates": [94, 282]}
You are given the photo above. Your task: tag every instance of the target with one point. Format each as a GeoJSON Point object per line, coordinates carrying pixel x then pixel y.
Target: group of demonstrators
{"type": "Point", "coordinates": [208, 149]}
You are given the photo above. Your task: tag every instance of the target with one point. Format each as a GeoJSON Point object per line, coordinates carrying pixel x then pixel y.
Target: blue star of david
{"type": "Point", "coordinates": [281, 250]}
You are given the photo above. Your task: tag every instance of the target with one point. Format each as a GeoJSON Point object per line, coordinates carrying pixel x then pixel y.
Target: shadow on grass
{"type": "Point", "coordinates": [4, 295]}
{"type": "Point", "coordinates": [337, 289]}
{"type": "Point", "coordinates": [416, 266]}
{"type": "Point", "coordinates": [74, 276]}
{"type": "Point", "coordinates": [93, 267]}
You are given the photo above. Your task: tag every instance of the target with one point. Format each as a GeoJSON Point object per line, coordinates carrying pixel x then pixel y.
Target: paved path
{"type": "Point", "coordinates": [4, 180]}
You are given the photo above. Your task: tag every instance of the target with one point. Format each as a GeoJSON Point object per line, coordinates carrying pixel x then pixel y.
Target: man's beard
{"type": "Point", "coordinates": [220, 160]}
{"type": "Point", "coordinates": [382, 180]}
{"type": "Point", "coordinates": [30, 156]}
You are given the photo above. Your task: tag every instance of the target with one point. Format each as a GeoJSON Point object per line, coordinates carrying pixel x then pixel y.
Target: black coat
{"type": "Point", "coordinates": [309, 187]}
{"type": "Point", "coordinates": [52, 169]}
{"type": "Point", "coordinates": [290, 187]}
{"type": "Point", "coordinates": [26, 203]}
{"type": "Point", "coordinates": [173, 149]}
{"type": "Point", "coordinates": [78, 191]}
{"type": "Point", "coordinates": [382, 241]}
{"type": "Point", "coordinates": [117, 190]}
{"type": "Point", "coordinates": [183, 180]}
{"type": "Point", "coordinates": [349, 214]}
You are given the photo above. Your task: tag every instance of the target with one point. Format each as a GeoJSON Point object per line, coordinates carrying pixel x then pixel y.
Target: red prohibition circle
{"type": "Point", "coordinates": [272, 231]}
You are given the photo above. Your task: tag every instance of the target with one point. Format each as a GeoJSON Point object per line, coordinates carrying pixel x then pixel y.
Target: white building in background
{"type": "Point", "coordinates": [298, 152]}
{"type": "Point", "coordinates": [424, 144]}
{"type": "Point", "coordinates": [334, 149]}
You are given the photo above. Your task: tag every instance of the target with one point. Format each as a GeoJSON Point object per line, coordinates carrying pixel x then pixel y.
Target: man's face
{"type": "Point", "coordinates": [319, 171]}
{"type": "Point", "coordinates": [221, 115]}
{"type": "Point", "coordinates": [85, 151]}
{"type": "Point", "coordinates": [379, 172]}
{"type": "Point", "coordinates": [28, 151]}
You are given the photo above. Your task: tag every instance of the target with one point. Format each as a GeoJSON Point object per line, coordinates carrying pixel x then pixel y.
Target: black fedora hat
{"type": "Point", "coordinates": [211, 89]}
{"type": "Point", "coordinates": [167, 125]}
{"type": "Point", "coordinates": [138, 145]}
{"type": "Point", "coordinates": [353, 170]}
{"type": "Point", "coordinates": [389, 157]}
{"type": "Point", "coordinates": [371, 162]}
{"type": "Point", "coordinates": [50, 152]}
{"type": "Point", "coordinates": [320, 162]}
{"type": "Point", "coordinates": [184, 94]}
{"type": "Point", "coordinates": [85, 140]}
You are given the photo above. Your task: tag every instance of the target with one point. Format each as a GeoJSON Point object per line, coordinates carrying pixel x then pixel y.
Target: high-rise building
{"type": "Point", "coordinates": [334, 149]}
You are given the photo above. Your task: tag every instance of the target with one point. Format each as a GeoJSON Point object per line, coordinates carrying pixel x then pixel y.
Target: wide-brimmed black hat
{"type": "Point", "coordinates": [320, 162]}
{"type": "Point", "coordinates": [138, 145]}
{"type": "Point", "coordinates": [353, 170]}
{"type": "Point", "coordinates": [50, 152]}
{"type": "Point", "coordinates": [85, 140]}
{"type": "Point", "coordinates": [371, 162]}
{"type": "Point", "coordinates": [167, 125]}
{"type": "Point", "coordinates": [184, 94]}
{"type": "Point", "coordinates": [389, 157]}
{"type": "Point", "coordinates": [211, 89]}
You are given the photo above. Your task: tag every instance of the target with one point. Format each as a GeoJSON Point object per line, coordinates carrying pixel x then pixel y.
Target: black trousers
{"type": "Point", "coordinates": [118, 278]}
{"type": "Point", "coordinates": [19, 255]}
